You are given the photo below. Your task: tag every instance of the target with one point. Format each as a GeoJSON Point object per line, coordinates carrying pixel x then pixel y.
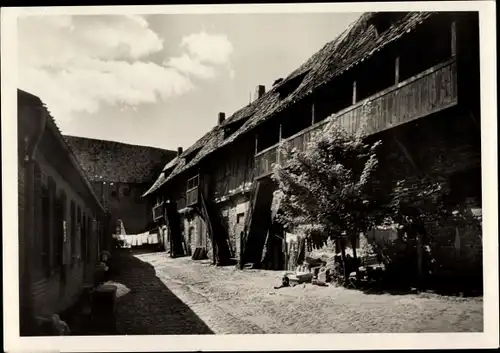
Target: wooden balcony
{"type": "Point", "coordinates": [426, 93]}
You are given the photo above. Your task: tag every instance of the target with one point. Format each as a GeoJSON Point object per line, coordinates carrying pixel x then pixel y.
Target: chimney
{"type": "Point", "coordinates": [179, 151]}
{"type": "Point", "coordinates": [222, 117]}
{"type": "Point", "coordinates": [259, 91]}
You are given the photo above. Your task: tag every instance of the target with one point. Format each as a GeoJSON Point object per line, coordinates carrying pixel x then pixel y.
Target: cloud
{"type": "Point", "coordinates": [79, 63]}
{"type": "Point", "coordinates": [90, 83]}
{"type": "Point", "coordinates": [57, 40]}
{"type": "Point", "coordinates": [210, 48]}
{"type": "Point", "coordinates": [190, 66]}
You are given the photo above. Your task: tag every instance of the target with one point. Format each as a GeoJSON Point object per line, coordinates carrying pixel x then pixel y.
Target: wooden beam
{"type": "Point", "coordinates": [408, 156]}
{"type": "Point", "coordinates": [354, 92]}
{"type": "Point", "coordinates": [396, 71]}
{"type": "Point", "coordinates": [453, 38]}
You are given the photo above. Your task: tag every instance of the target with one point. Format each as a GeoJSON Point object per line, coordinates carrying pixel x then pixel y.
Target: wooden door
{"type": "Point", "coordinates": [240, 226]}
{"type": "Point", "coordinates": [201, 239]}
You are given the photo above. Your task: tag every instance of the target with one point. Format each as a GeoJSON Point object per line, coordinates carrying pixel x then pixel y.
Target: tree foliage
{"type": "Point", "coordinates": [327, 189]}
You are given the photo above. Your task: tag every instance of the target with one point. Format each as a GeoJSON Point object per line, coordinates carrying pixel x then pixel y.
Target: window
{"type": "Point", "coordinates": [90, 238]}
{"type": "Point", "coordinates": [60, 216]}
{"type": "Point", "coordinates": [232, 127]}
{"type": "Point", "coordinates": [38, 208]}
{"type": "Point", "coordinates": [78, 234]}
{"type": "Point", "coordinates": [286, 88]}
{"type": "Point", "coordinates": [192, 183]}
{"type": "Point", "coordinates": [189, 157]}
{"type": "Point", "coordinates": [382, 21]}
{"type": "Point", "coordinates": [126, 191]}
{"type": "Point", "coordinates": [72, 233]}
{"type": "Point", "coordinates": [84, 236]}
{"type": "Point", "coordinates": [45, 233]}
{"type": "Point", "coordinates": [240, 217]}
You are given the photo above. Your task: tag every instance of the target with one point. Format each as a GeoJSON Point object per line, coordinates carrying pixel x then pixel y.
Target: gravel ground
{"type": "Point", "coordinates": [182, 296]}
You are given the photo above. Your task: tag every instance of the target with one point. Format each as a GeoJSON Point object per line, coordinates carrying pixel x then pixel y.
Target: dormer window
{"type": "Point", "coordinates": [189, 157]}
{"type": "Point", "coordinates": [232, 127]}
{"type": "Point", "coordinates": [286, 88]}
{"type": "Point", "coordinates": [382, 21]}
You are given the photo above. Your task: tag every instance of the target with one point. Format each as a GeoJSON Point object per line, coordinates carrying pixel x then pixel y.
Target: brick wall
{"type": "Point", "coordinates": [235, 211]}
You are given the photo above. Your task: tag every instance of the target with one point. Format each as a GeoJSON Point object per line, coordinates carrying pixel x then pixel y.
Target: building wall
{"type": "Point", "coordinates": [57, 286]}
{"type": "Point", "coordinates": [446, 145]}
{"type": "Point", "coordinates": [235, 171]}
{"type": "Point", "coordinates": [199, 237]}
{"type": "Point", "coordinates": [21, 206]}
{"type": "Point", "coordinates": [130, 207]}
{"type": "Point", "coordinates": [234, 212]}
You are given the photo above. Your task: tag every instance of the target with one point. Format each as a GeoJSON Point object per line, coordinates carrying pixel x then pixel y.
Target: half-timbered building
{"type": "Point", "coordinates": [411, 78]}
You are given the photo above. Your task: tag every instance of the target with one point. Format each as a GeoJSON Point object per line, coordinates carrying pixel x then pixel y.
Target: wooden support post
{"type": "Point", "coordinates": [354, 92]}
{"type": "Point", "coordinates": [408, 156]}
{"type": "Point", "coordinates": [256, 142]}
{"type": "Point", "coordinates": [313, 114]}
{"type": "Point", "coordinates": [396, 71]}
{"type": "Point", "coordinates": [453, 38]}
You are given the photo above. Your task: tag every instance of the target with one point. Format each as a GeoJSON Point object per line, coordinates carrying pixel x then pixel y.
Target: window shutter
{"type": "Point", "coordinates": [59, 229]}
{"type": "Point", "coordinates": [38, 212]}
{"type": "Point", "coordinates": [45, 230]}
{"type": "Point", "coordinates": [52, 223]}
{"type": "Point", "coordinates": [78, 234]}
{"type": "Point", "coordinates": [72, 233]}
{"type": "Point", "coordinates": [84, 238]}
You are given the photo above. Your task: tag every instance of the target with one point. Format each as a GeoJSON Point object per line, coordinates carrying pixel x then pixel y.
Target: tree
{"type": "Point", "coordinates": [327, 190]}
{"type": "Point", "coordinates": [416, 205]}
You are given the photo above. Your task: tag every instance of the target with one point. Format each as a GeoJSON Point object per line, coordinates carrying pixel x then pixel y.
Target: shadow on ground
{"type": "Point", "coordinates": [150, 308]}
{"type": "Point", "coordinates": [443, 286]}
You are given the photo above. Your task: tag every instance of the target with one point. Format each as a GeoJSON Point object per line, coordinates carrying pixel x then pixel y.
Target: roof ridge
{"type": "Point", "coordinates": [117, 142]}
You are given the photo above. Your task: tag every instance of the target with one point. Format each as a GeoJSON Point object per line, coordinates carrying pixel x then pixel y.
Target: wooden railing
{"type": "Point", "coordinates": [428, 92]}
{"type": "Point", "coordinates": [192, 196]}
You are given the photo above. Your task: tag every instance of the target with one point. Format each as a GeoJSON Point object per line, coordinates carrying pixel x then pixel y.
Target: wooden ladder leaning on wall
{"type": "Point", "coordinates": [248, 221]}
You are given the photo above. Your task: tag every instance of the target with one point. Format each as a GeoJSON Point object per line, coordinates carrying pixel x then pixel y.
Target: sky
{"type": "Point", "coordinates": [161, 80]}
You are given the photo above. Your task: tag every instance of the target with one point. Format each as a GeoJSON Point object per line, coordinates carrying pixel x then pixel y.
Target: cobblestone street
{"type": "Point", "coordinates": [181, 296]}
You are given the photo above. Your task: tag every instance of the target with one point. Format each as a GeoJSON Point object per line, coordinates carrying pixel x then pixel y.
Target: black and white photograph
{"type": "Point", "coordinates": [262, 171]}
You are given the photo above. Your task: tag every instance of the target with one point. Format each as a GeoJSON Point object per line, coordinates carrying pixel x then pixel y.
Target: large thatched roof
{"type": "Point", "coordinates": [357, 43]}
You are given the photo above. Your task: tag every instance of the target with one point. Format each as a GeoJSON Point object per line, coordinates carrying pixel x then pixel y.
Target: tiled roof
{"type": "Point", "coordinates": [117, 161]}
{"type": "Point", "coordinates": [357, 43]}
